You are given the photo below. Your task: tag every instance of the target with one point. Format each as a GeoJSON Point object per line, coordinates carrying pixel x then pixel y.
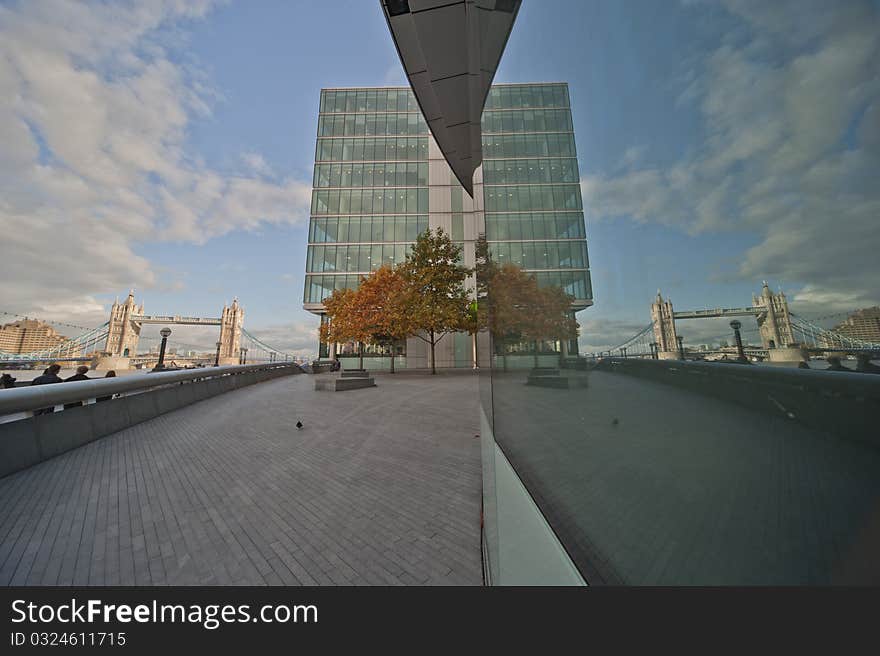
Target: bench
{"type": "Point", "coordinates": [343, 384]}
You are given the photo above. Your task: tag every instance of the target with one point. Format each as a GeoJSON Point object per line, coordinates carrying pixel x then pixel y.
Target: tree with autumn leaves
{"type": "Point", "coordinates": [382, 300]}
{"type": "Point", "coordinates": [438, 300]}
{"type": "Point", "coordinates": [424, 296]}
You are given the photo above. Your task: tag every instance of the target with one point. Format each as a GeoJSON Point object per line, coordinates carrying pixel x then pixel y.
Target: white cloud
{"type": "Point", "coordinates": [789, 151]}
{"type": "Point", "coordinates": [394, 76]}
{"type": "Point", "coordinates": [94, 112]}
{"type": "Point", "coordinates": [257, 163]}
{"type": "Point", "coordinates": [298, 337]}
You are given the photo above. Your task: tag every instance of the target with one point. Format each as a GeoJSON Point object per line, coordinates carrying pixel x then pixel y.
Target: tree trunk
{"type": "Point", "coordinates": [474, 348]}
{"type": "Point", "coordinates": [433, 368]}
{"type": "Point", "coordinates": [536, 354]}
{"type": "Point", "coordinates": [360, 355]}
{"type": "Point", "coordinates": [392, 356]}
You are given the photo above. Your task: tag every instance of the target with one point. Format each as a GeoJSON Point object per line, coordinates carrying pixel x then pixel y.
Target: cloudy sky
{"type": "Point", "coordinates": [167, 146]}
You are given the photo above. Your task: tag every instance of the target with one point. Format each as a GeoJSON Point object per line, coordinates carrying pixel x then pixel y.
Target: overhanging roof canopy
{"type": "Point", "coordinates": [450, 51]}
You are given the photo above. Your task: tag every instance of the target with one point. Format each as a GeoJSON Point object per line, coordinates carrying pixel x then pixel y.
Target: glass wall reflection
{"type": "Point", "coordinates": [724, 428]}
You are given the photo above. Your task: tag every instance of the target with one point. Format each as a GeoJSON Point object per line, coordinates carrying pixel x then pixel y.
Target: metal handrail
{"type": "Point", "coordinates": [852, 384]}
{"type": "Point", "coordinates": [34, 397]}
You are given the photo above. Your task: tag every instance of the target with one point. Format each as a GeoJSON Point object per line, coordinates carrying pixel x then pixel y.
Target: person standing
{"type": "Point", "coordinates": [109, 374]}
{"type": "Point", "coordinates": [49, 376]}
{"type": "Point", "coordinates": [80, 374]}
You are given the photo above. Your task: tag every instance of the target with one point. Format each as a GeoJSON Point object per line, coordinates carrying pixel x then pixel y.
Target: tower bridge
{"type": "Point", "coordinates": [785, 336]}
{"type": "Point", "coordinates": [126, 320]}
{"type": "Point", "coordinates": [769, 309]}
{"type": "Point", "coordinates": [114, 344]}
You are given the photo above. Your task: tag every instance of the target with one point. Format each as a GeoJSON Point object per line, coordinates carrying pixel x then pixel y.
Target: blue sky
{"type": "Point", "coordinates": [168, 146]}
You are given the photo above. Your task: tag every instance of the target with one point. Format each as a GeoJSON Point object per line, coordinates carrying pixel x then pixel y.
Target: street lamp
{"type": "Point", "coordinates": [654, 347]}
{"type": "Point", "coordinates": [165, 332]}
{"type": "Point", "coordinates": [244, 356]}
{"type": "Point", "coordinates": [740, 354]}
{"type": "Point", "coordinates": [680, 339]}
{"type": "Point", "coordinates": [217, 357]}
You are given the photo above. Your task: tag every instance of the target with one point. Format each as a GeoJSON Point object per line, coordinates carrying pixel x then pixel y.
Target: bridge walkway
{"type": "Point", "coordinates": [382, 486]}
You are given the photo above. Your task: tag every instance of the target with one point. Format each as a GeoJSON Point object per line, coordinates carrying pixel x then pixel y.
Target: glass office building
{"type": "Point", "coordinates": [380, 180]}
{"type": "Point", "coordinates": [533, 212]}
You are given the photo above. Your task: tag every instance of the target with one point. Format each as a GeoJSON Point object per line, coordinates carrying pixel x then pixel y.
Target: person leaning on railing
{"type": "Point", "coordinates": [80, 374]}
{"type": "Point", "coordinates": [49, 376]}
{"type": "Point", "coordinates": [109, 374]}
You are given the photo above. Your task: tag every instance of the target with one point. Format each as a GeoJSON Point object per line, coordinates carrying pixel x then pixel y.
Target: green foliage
{"type": "Point", "coordinates": [438, 301]}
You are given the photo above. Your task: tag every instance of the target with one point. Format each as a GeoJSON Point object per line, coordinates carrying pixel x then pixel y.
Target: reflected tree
{"type": "Point", "coordinates": [515, 309]}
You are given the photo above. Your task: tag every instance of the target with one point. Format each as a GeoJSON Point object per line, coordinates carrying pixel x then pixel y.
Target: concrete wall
{"type": "Point", "coordinates": [453, 351]}
{"type": "Point", "coordinates": [29, 441]}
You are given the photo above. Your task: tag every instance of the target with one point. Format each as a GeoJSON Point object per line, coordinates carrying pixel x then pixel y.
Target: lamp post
{"type": "Point", "coordinates": [244, 356]}
{"type": "Point", "coordinates": [654, 346]}
{"type": "Point", "coordinates": [740, 354]}
{"type": "Point", "coordinates": [217, 357]}
{"type": "Point", "coordinates": [623, 351]}
{"type": "Point", "coordinates": [680, 339]}
{"type": "Point", "coordinates": [165, 332]}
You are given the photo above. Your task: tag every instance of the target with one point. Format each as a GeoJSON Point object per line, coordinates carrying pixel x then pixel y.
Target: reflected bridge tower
{"type": "Point", "coordinates": [774, 319]}
{"type": "Point", "coordinates": [230, 332]}
{"type": "Point", "coordinates": [663, 320]}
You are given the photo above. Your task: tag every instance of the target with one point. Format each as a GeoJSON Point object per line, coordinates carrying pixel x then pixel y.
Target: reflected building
{"type": "Point", "coordinates": [380, 179]}
{"type": "Point", "coordinates": [863, 325]}
{"type": "Point", "coordinates": [533, 210]}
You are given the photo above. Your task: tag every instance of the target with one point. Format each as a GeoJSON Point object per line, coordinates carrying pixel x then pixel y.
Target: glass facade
{"type": "Point", "coordinates": [380, 180]}
{"type": "Point", "coordinates": [370, 196]}
{"type": "Point", "coordinates": [731, 439]}
{"type": "Point", "coordinates": [534, 212]}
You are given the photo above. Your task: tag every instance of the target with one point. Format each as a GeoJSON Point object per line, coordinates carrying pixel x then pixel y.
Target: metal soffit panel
{"type": "Point", "coordinates": [450, 52]}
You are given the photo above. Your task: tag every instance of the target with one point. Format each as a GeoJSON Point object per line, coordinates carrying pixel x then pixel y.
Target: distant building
{"type": "Point", "coordinates": [862, 324]}
{"type": "Point", "coordinates": [28, 335]}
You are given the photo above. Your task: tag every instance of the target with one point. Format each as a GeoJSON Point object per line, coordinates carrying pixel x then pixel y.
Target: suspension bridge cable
{"type": "Point", "coordinates": [266, 347]}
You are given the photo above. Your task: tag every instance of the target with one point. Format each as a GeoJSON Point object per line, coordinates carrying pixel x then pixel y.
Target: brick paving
{"type": "Point", "coordinates": [381, 487]}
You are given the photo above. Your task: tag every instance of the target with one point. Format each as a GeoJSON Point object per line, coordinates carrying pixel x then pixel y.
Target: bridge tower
{"type": "Point", "coordinates": [663, 318]}
{"type": "Point", "coordinates": [123, 335]}
{"type": "Point", "coordinates": [774, 319]}
{"type": "Point", "coordinates": [230, 333]}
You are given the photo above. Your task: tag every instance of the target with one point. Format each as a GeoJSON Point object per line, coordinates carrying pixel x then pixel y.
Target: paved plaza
{"type": "Point", "coordinates": [380, 487]}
